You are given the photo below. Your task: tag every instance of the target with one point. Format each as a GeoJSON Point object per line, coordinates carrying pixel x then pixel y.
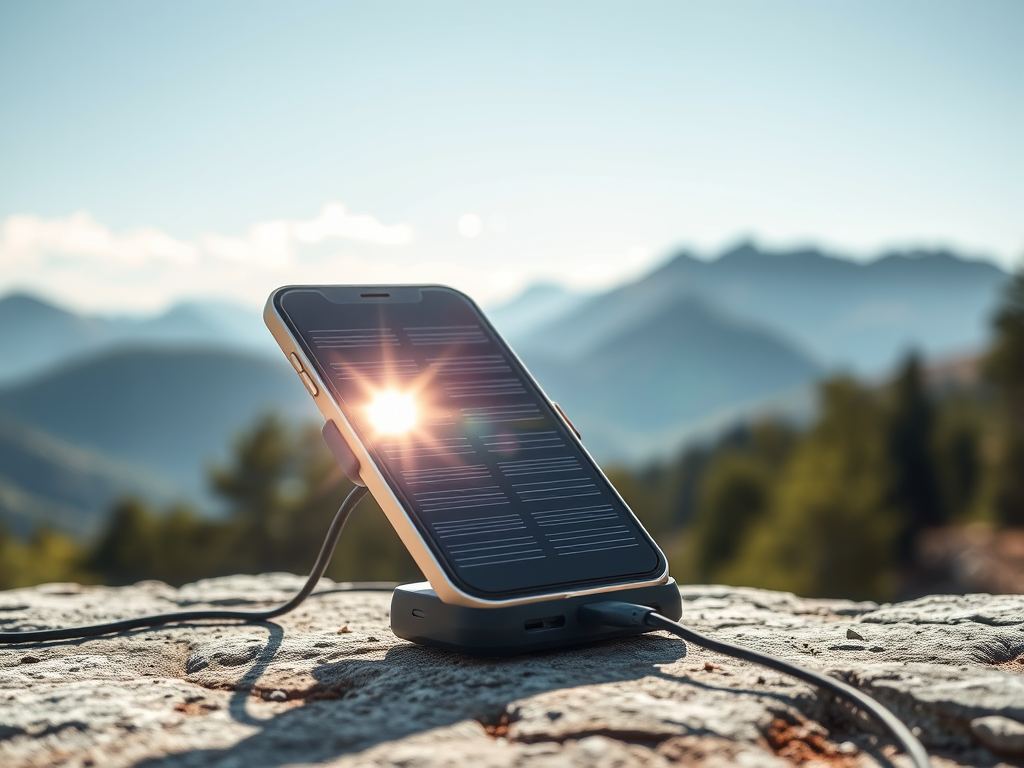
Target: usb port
{"type": "Point", "coordinates": [549, 622]}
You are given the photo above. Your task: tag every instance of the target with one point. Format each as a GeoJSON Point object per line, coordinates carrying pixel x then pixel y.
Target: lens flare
{"type": "Point", "coordinates": [392, 412]}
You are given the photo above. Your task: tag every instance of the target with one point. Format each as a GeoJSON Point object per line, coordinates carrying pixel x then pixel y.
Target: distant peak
{"type": "Point", "coordinates": [749, 251]}
{"type": "Point", "coordinates": [545, 289]}
{"type": "Point", "coordinates": [25, 298]}
{"type": "Point", "coordinates": [205, 304]}
{"type": "Point", "coordinates": [742, 251]}
{"type": "Point", "coordinates": [679, 260]}
{"type": "Point", "coordinates": [22, 301]}
{"type": "Point", "coordinates": [934, 255]}
{"type": "Point", "coordinates": [536, 293]}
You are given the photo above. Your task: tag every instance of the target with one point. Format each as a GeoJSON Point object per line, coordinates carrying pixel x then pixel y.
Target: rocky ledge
{"type": "Point", "coordinates": [331, 685]}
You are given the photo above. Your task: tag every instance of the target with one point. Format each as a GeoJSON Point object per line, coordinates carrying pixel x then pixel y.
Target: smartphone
{"type": "Point", "coordinates": [483, 477]}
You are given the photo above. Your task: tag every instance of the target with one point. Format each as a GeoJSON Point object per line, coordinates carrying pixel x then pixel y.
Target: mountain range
{"type": "Point", "coordinates": [697, 344]}
{"type": "Point", "coordinates": [36, 335]}
{"type": "Point", "coordinates": [535, 306]}
{"type": "Point", "coordinates": [858, 316]}
{"type": "Point", "coordinates": [94, 407]}
{"type": "Point", "coordinates": [48, 481]}
{"type": "Point", "coordinates": [168, 410]}
{"type": "Point", "coordinates": [631, 391]}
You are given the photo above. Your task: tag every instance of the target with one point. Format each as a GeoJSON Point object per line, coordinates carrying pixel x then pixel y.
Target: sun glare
{"type": "Point", "coordinates": [392, 412]}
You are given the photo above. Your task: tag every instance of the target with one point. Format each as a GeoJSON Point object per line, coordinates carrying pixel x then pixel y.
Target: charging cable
{"type": "Point", "coordinates": [616, 614]}
{"type": "Point", "coordinates": [326, 550]}
{"type": "Point", "coordinates": [605, 613]}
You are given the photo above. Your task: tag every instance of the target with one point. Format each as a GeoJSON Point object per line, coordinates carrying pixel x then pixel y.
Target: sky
{"type": "Point", "coordinates": [161, 151]}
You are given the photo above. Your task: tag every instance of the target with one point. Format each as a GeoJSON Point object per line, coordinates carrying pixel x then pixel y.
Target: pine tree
{"type": "Point", "coordinates": [127, 551]}
{"type": "Point", "coordinates": [734, 494]}
{"type": "Point", "coordinates": [13, 560]}
{"type": "Point", "coordinates": [911, 420]}
{"type": "Point", "coordinates": [956, 452]}
{"type": "Point", "coordinates": [1004, 368]}
{"type": "Point", "coordinates": [830, 530]}
{"type": "Point", "coordinates": [255, 485]}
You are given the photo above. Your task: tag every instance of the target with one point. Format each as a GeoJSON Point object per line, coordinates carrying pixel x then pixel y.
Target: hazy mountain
{"type": "Point", "coordinates": [169, 410]}
{"type": "Point", "coordinates": [683, 351]}
{"type": "Point", "coordinates": [538, 304]}
{"type": "Point", "coordinates": [861, 316]}
{"type": "Point", "coordinates": [202, 321]}
{"type": "Point", "coordinates": [45, 480]}
{"type": "Point", "coordinates": [676, 368]}
{"type": "Point", "coordinates": [36, 335]}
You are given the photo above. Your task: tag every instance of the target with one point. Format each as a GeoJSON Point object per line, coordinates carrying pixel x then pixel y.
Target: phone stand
{"type": "Point", "coordinates": [417, 614]}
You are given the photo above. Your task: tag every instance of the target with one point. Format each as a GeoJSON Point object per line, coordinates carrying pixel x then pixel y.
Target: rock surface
{"type": "Point", "coordinates": [330, 684]}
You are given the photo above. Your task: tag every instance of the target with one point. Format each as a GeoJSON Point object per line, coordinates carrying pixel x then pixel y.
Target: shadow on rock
{"type": "Point", "coordinates": [358, 703]}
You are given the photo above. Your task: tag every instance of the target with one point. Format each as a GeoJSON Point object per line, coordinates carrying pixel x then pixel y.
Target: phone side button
{"type": "Point", "coordinates": [309, 383]}
{"type": "Point", "coordinates": [296, 364]}
{"type": "Point", "coordinates": [571, 425]}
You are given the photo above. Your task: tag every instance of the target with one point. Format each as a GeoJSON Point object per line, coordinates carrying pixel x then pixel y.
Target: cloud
{"type": "Point", "coordinates": [267, 244]}
{"type": "Point", "coordinates": [335, 221]}
{"type": "Point", "coordinates": [33, 240]}
{"type": "Point", "coordinates": [84, 264]}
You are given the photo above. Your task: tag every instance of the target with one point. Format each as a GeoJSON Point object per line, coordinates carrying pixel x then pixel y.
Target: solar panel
{"type": "Point", "coordinates": [493, 478]}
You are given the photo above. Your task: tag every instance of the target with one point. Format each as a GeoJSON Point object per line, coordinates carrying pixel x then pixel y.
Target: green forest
{"type": "Point", "coordinates": [832, 509]}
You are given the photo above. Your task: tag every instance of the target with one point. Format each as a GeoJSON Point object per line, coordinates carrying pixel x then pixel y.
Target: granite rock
{"type": "Point", "coordinates": [1000, 733]}
{"type": "Point", "coordinates": [330, 684]}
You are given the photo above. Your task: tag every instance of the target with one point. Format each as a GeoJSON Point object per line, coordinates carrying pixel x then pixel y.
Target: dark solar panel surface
{"type": "Point", "coordinates": [490, 475]}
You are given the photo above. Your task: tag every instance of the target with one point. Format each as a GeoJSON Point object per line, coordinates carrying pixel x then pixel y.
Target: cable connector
{"type": "Point", "coordinates": [612, 613]}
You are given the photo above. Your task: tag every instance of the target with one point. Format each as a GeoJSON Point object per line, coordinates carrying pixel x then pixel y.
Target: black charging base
{"type": "Point", "coordinates": [417, 614]}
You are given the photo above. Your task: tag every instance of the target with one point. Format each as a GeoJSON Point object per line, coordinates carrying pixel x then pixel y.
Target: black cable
{"type": "Point", "coordinates": [607, 613]}
{"type": "Point", "coordinates": [616, 614]}
{"type": "Point", "coordinates": [322, 560]}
